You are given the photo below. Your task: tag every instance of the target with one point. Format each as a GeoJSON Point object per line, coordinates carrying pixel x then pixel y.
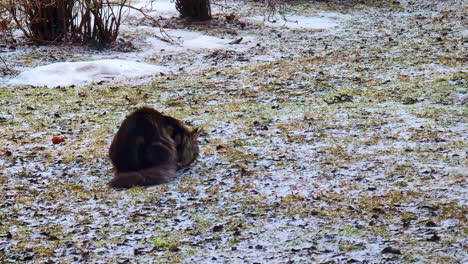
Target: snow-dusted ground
{"type": "Point", "coordinates": [344, 144]}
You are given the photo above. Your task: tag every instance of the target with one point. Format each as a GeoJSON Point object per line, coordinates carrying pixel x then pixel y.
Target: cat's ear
{"type": "Point", "coordinates": [195, 134]}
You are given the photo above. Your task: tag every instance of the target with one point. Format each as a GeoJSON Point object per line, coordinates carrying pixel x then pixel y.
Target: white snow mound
{"type": "Point", "coordinates": [76, 73]}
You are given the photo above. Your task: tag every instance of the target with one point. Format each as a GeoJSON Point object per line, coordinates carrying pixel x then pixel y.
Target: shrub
{"type": "Point", "coordinates": [93, 22]}
{"type": "Point", "coordinates": [6, 35]}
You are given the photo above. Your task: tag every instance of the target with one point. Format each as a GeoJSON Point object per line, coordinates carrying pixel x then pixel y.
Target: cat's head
{"type": "Point", "coordinates": [188, 149]}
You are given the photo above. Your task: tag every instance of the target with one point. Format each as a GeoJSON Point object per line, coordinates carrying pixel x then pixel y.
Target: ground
{"type": "Point", "coordinates": [344, 145]}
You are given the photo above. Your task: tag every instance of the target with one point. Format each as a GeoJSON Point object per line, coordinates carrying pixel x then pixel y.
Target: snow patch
{"type": "Point", "coordinates": [165, 6]}
{"type": "Point", "coordinates": [301, 22]}
{"type": "Point", "coordinates": [205, 42]}
{"type": "Point", "coordinates": [162, 8]}
{"type": "Point", "coordinates": [186, 40]}
{"type": "Point", "coordinates": [74, 73]}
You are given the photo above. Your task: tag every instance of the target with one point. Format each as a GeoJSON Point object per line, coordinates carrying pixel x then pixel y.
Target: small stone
{"type": "Point", "coordinates": [434, 238]}
{"type": "Point", "coordinates": [390, 250]}
{"type": "Point", "coordinates": [174, 248]}
{"type": "Point", "coordinates": [218, 228]}
{"type": "Point", "coordinates": [409, 101]}
{"type": "Point", "coordinates": [219, 147]}
{"type": "Point", "coordinates": [378, 210]}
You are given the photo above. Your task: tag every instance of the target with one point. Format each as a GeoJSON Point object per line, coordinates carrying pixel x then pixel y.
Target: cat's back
{"type": "Point", "coordinates": [146, 114]}
{"type": "Point", "coordinates": [140, 128]}
{"type": "Point", "coordinates": [142, 121]}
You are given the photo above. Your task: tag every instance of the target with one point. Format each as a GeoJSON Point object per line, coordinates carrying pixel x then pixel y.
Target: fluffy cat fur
{"type": "Point", "coordinates": [149, 148]}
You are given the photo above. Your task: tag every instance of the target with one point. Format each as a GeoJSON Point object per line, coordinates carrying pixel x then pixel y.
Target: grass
{"type": "Point", "coordinates": [343, 148]}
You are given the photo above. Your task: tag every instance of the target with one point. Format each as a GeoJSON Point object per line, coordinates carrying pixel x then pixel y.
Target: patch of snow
{"type": "Point", "coordinates": [300, 22]}
{"type": "Point", "coordinates": [163, 8]}
{"type": "Point", "coordinates": [74, 73]}
{"type": "Point", "coordinates": [205, 42]}
{"type": "Point", "coordinates": [336, 15]}
{"type": "Point", "coordinates": [185, 41]}
{"type": "Point", "coordinates": [190, 40]}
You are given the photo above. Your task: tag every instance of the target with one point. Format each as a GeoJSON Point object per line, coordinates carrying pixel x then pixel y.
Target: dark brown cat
{"type": "Point", "coordinates": [149, 148]}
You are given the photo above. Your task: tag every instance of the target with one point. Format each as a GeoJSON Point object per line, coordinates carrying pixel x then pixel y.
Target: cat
{"type": "Point", "coordinates": [150, 147]}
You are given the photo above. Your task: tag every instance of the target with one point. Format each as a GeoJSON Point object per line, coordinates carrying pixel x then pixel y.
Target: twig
{"type": "Point", "coordinates": [24, 43]}
{"type": "Point", "coordinates": [275, 7]}
{"type": "Point", "coordinates": [7, 69]}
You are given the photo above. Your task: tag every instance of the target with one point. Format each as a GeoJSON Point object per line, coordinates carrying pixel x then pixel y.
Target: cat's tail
{"type": "Point", "coordinates": [145, 177]}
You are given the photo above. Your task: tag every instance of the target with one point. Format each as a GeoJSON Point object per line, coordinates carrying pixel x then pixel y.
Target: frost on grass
{"type": "Point", "coordinates": [334, 151]}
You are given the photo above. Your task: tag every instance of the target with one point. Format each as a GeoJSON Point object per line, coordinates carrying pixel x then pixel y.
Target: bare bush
{"type": "Point", "coordinates": [275, 8]}
{"type": "Point", "coordinates": [98, 21]}
{"type": "Point", "coordinates": [6, 34]}
{"type": "Point", "coordinates": [93, 22]}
